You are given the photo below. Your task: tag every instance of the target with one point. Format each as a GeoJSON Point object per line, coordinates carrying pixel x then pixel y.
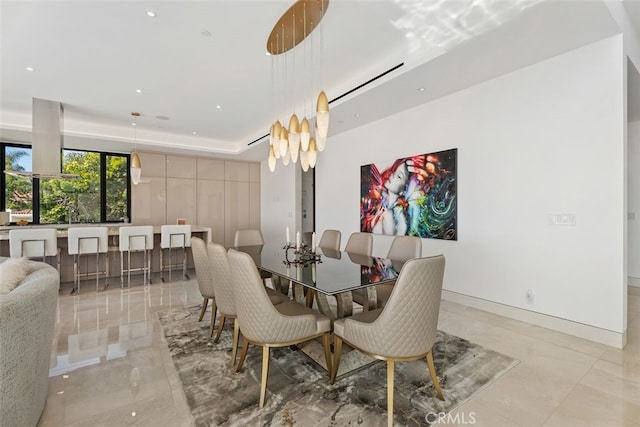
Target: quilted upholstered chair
{"type": "Point", "coordinates": [405, 329]}
{"type": "Point", "coordinates": [403, 248]}
{"type": "Point", "coordinates": [268, 325]}
{"type": "Point", "coordinates": [330, 240]}
{"type": "Point", "coordinates": [250, 237]}
{"type": "Point", "coordinates": [204, 276]}
{"type": "Point", "coordinates": [360, 243]}
{"type": "Point", "coordinates": [224, 293]}
{"type": "Point", "coordinates": [225, 299]}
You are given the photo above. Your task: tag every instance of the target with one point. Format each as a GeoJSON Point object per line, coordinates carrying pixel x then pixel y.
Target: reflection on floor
{"type": "Point", "coordinates": [111, 367]}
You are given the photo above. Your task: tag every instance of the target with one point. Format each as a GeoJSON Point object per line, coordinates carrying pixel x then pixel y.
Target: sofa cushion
{"type": "Point", "coordinates": [12, 272]}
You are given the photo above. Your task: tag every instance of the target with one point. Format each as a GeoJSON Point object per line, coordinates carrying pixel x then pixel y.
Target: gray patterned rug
{"type": "Point", "coordinates": [298, 390]}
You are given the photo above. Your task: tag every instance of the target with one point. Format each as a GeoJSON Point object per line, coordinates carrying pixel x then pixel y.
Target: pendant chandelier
{"type": "Point", "coordinates": [296, 140]}
{"type": "Point", "coordinates": [136, 166]}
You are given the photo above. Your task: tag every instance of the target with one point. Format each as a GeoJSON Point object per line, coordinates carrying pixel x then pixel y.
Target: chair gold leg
{"type": "Point", "coordinates": [236, 336]}
{"type": "Point", "coordinates": [220, 326]}
{"type": "Point", "coordinates": [390, 373]}
{"type": "Point", "coordinates": [326, 343]}
{"type": "Point", "coordinates": [243, 354]}
{"type": "Point", "coordinates": [337, 352]}
{"type": "Point", "coordinates": [214, 311]}
{"type": "Point", "coordinates": [434, 377]}
{"type": "Point", "coordinates": [205, 303]}
{"type": "Point", "coordinates": [265, 375]}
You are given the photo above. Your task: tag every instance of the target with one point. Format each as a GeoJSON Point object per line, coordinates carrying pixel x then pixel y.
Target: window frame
{"type": "Point", "coordinates": [35, 183]}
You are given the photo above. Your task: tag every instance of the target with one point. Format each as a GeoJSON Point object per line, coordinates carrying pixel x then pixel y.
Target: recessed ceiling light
{"type": "Point", "coordinates": [218, 106]}
{"type": "Point", "coordinates": [139, 90]}
{"type": "Point", "coordinates": [133, 124]}
{"type": "Point", "coordinates": [194, 132]}
{"type": "Point", "coordinates": [151, 14]}
{"type": "Point", "coordinates": [60, 392]}
{"type": "Point", "coordinates": [356, 115]}
{"type": "Point", "coordinates": [421, 89]}
{"type": "Point", "coordinates": [30, 69]}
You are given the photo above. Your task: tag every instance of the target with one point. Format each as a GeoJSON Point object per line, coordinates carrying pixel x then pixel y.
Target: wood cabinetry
{"type": "Point", "coordinates": [221, 194]}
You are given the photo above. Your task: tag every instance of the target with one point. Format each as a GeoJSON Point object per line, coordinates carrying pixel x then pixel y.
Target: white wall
{"type": "Point", "coordinates": [278, 209]}
{"type": "Point", "coordinates": [634, 203]}
{"type": "Point", "coordinates": [547, 138]}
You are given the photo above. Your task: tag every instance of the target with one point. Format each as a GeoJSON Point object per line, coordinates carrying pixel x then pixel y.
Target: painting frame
{"type": "Point", "coordinates": [413, 196]}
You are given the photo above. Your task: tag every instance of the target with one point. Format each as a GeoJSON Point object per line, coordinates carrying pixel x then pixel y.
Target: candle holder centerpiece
{"type": "Point", "coordinates": [302, 255]}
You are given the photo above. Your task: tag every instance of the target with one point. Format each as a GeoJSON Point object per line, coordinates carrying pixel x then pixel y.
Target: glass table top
{"type": "Point", "coordinates": [333, 273]}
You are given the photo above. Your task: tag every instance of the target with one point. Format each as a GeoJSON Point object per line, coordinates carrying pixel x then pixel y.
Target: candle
{"type": "Point", "coordinates": [313, 241]}
{"type": "Point", "coordinates": [297, 240]}
{"type": "Point", "coordinates": [288, 237]}
{"type": "Point", "coordinates": [313, 272]}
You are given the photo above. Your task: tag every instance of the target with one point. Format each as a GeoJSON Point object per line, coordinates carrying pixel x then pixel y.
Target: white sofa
{"type": "Point", "coordinates": [27, 320]}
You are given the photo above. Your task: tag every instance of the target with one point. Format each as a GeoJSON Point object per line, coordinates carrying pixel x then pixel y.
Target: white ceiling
{"type": "Point", "coordinates": [194, 56]}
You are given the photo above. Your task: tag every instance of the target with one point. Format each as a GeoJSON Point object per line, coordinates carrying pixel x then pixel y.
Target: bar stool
{"type": "Point", "coordinates": [35, 243]}
{"type": "Point", "coordinates": [85, 241]}
{"type": "Point", "coordinates": [172, 237]}
{"type": "Point", "coordinates": [138, 238]}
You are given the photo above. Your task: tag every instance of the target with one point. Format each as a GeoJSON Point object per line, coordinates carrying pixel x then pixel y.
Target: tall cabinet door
{"type": "Point", "coordinates": [236, 209]}
{"type": "Point", "coordinates": [149, 197]}
{"type": "Point", "coordinates": [211, 208]}
{"type": "Point", "coordinates": [181, 189]}
{"type": "Point", "coordinates": [254, 195]}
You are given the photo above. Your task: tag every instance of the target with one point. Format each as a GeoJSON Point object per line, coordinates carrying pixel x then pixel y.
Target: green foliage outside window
{"type": "Point", "coordinates": [71, 200]}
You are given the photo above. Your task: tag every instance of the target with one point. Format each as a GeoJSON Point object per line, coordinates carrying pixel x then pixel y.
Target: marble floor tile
{"type": "Point", "coordinates": [587, 406]}
{"type": "Point", "coordinates": [111, 366]}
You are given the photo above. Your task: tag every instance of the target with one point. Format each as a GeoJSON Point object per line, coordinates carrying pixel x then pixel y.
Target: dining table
{"type": "Point", "coordinates": [324, 273]}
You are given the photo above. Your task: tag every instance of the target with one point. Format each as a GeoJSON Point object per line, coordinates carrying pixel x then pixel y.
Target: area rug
{"type": "Point", "coordinates": [298, 390]}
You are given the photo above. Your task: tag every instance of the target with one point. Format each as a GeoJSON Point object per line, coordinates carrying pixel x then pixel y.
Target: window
{"type": "Point", "coordinates": [100, 195]}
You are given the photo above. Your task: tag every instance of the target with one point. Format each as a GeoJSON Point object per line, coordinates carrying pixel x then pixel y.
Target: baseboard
{"type": "Point", "coordinates": [591, 333]}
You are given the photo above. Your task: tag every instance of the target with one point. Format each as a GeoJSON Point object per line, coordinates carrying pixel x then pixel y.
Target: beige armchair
{"type": "Point", "coordinates": [268, 325]}
{"type": "Point", "coordinates": [204, 276]}
{"type": "Point", "coordinates": [251, 237]}
{"type": "Point", "coordinates": [405, 329]}
{"type": "Point", "coordinates": [224, 293]}
{"type": "Point", "coordinates": [360, 243]}
{"type": "Point", "coordinates": [223, 289]}
{"type": "Point", "coordinates": [330, 240]}
{"type": "Point", "coordinates": [403, 248]}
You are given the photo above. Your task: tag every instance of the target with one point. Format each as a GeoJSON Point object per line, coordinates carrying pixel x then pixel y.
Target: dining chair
{"type": "Point", "coordinates": [330, 240]}
{"type": "Point", "coordinates": [267, 325]}
{"type": "Point", "coordinates": [173, 237]}
{"type": "Point", "coordinates": [252, 237]}
{"type": "Point", "coordinates": [135, 238]}
{"type": "Point", "coordinates": [404, 330]}
{"type": "Point", "coordinates": [223, 288]}
{"type": "Point", "coordinates": [86, 241]}
{"type": "Point", "coordinates": [205, 278]}
{"type": "Point", "coordinates": [248, 238]}
{"type": "Point", "coordinates": [35, 243]}
{"type": "Point", "coordinates": [403, 248]}
{"type": "Point", "coordinates": [360, 243]}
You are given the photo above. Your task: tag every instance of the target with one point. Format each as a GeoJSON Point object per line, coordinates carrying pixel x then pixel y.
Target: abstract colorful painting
{"type": "Point", "coordinates": [414, 196]}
